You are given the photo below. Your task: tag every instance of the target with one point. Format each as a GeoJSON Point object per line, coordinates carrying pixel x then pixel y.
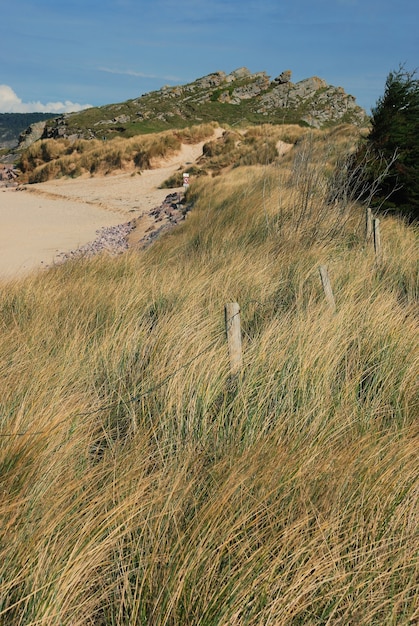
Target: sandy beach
{"type": "Point", "coordinates": [39, 222]}
{"type": "Point", "coordinates": [34, 229]}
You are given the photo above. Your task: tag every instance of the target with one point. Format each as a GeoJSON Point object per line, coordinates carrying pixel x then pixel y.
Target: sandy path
{"type": "Point", "coordinates": [131, 194]}
{"type": "Point", "coordinates": [60, 215]}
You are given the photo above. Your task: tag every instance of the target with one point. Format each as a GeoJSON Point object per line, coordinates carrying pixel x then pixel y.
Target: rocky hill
{"type": "Point", "coordinates": [237, 98]}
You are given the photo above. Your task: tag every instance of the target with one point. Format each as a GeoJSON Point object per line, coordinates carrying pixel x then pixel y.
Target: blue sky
{"type": "Point", "coordinates": [67, 54]}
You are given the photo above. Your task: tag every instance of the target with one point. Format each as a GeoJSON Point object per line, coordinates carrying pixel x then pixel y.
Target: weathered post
{"type": "Point", "coordinates": [368, 224]}
{"type": "Point", "coordinates": [327, 288]}
{"type": "Point", "coordinates": [234, 338]}
{"type": "Point", "coordinates": [377, 241]}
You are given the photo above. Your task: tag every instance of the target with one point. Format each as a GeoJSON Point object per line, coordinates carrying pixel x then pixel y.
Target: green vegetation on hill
{"type": "Point", "coordinates": [238, 99]}
{"type": "Point", "coordinates": [141, 484]}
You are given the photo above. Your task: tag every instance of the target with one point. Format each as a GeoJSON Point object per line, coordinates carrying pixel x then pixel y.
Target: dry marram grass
{"type": "Point", "coordinates": [140, 485]}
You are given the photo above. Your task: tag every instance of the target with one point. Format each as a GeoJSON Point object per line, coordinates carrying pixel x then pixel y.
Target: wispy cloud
{"type": "Point", "coordinates": [11, 103]}
{"type": "Point", "coordinates": [136, 74]}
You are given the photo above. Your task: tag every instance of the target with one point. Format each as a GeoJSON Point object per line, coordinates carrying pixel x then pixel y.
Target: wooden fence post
{"type": "Point", "coordinates": [368, 223]}
{"type": "Point", "coordinates": [327, 288]}
{"type": "Point", "coordinates": [377, 241]}
{"type": "Point", "coordinates": [234, 338]}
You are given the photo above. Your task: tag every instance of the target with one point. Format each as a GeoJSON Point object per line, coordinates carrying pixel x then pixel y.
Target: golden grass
{"type": "Point", "coordinates": [52, 158]}
{"type": "Point", "coordinates": [140, 485]}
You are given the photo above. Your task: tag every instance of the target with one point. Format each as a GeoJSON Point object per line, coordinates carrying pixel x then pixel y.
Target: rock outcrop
{"type": "Point", "coordinates": [238, 97]}
{"type": "Point", "coordinates": [31, 134]}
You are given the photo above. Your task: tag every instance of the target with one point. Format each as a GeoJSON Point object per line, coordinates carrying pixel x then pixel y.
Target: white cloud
{"type": "Point", "coordinates": [137, 74]}
{"type": "Point", "coordinates": [11, 103]}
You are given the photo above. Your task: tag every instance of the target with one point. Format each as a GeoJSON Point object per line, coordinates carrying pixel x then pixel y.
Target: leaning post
{"type": "Point", "coordinates": [234, 338]}
{"type": "Point", "coordinates": [327, 288]}
{"type": "Point", "coordinates": [377, 242]}
{"type": "Point", "coordinates": [368, 224]}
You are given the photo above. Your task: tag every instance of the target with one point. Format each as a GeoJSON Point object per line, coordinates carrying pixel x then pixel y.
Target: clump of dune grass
{"type": "Point", "coordinates": [141, 484]}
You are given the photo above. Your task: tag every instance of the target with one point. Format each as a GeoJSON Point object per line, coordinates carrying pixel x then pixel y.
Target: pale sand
{"type": "Point", "coordinates": [60, 215]}
{"type": "Point", "coordinates": [34, 229]}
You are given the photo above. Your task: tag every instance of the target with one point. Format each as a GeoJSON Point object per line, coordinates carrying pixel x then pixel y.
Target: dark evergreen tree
{"type": "Point", "coordinates": [394, 140]}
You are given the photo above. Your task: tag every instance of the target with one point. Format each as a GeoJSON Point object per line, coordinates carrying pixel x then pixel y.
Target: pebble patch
{"type": "Point", "coordinates": [113, 240]}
